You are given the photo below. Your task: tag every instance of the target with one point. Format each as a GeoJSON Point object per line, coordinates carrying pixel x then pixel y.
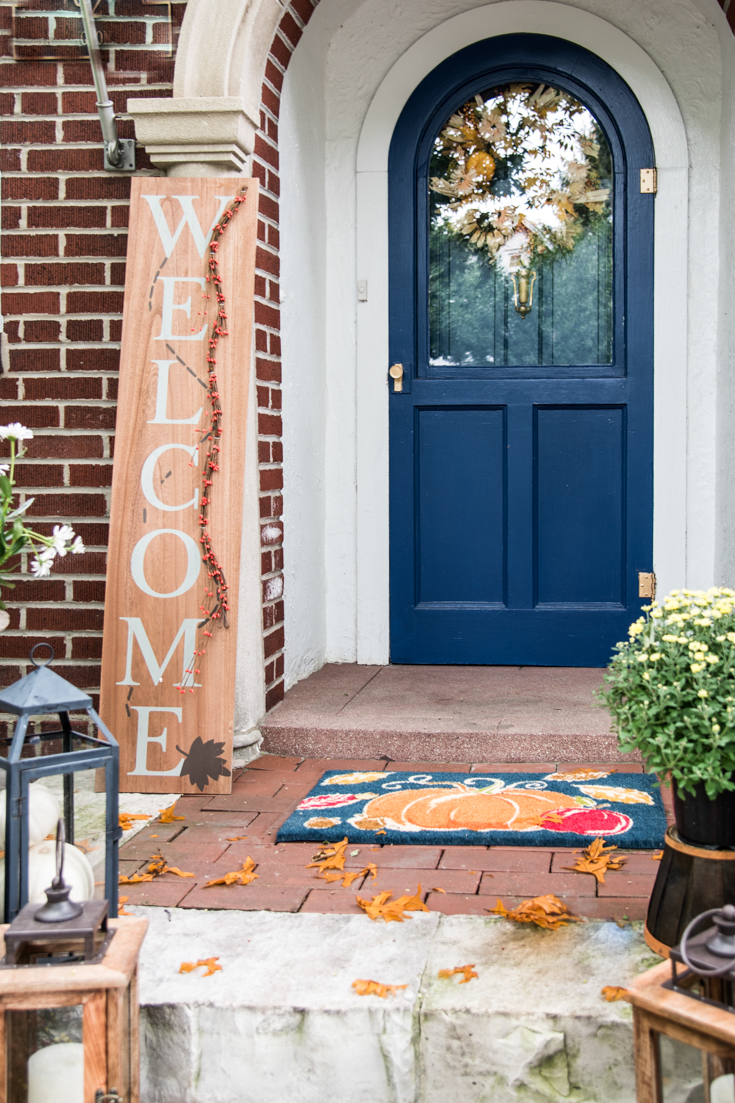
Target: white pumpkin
{"type": "Point", "coordinates": [78, 873]}
{"type": "Point", "coordinates": [43, 814]}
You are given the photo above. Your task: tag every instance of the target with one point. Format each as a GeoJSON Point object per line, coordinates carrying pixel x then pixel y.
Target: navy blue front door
{"type": "Point", "coordinates": [521, 442]}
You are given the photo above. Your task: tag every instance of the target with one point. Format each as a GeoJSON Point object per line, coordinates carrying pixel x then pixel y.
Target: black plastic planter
{"type": "Point", "coordinates": [705, 822]}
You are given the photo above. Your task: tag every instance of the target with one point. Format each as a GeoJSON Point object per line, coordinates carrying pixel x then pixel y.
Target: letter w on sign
{"type": "Point", "coordinates": [164, 701]}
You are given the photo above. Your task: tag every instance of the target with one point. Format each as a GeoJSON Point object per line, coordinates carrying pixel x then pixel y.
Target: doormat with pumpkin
{"type": "Point", "coordinates": [560, 809]}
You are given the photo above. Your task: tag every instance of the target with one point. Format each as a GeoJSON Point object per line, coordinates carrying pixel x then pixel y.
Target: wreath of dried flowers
{"type": "Point", "coordinates": [215, 606]}
{"type": "Point", "coordinates": [526, 142]}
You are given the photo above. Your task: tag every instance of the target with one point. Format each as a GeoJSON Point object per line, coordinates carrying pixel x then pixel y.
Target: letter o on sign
{"type": "Point", "coordinates": [137, 568]}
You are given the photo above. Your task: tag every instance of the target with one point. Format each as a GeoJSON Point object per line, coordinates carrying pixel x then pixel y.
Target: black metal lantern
{"type": "Point", "coordinates": [38, 693]}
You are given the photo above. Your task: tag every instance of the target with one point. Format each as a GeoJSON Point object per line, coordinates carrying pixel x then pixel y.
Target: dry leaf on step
{"type": "Point", "coordinates": [547, 912]}
{"type": "Point", "coordinates": [373, 988]}
{"type": "Point", "coordinates": [237, 838]}
{"type": "Point", "coordinates": [613, 992]}
{"type": "Point", "coordinates": [166, 815]}
{"type": "Point", "coordinates": [331, 856]}
{"type": "Point", "coordinates": [238, 877]}
{"type": "Point", "coordinates": [467, 971]}
{"type": "Point", "coordinates": [657, 855]}
{"type": "Point", "coordinates": [596, 859]}
{"type": "Point", "coordinates": [209, 963]}
{"type": "Point", "coordinates": [435, 889]}
{"type": "Point", "coordinates": [382, 907]}
{"type": "Point", "coordinates": [123, 900]}
{"type": "Point", "coordinates": [136, 879]}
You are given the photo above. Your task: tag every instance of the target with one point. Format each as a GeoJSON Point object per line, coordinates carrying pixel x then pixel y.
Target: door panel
{"type": "Point", "coordinates": [521, 448]}
{"type": "Point", "coordinates": [460, 490]}
{"type": "Point", "coordinates": [580, 482]}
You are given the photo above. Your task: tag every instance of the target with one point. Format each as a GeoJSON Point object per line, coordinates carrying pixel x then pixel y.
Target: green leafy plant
{"type": "Point", "coordinates": [672, 689]}
{"type": "Point", "coordinates": [15, 535]}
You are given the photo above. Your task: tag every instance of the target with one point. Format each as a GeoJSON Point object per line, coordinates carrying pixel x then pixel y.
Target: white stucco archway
{"type": "Point", "coordinates": [671, 283]}
{"type": "Point", "coordinates": [351, 75]}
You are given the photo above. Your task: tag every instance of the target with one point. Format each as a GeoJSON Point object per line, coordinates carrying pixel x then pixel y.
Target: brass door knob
{"type": "Point", "coordinates": [395, 371]}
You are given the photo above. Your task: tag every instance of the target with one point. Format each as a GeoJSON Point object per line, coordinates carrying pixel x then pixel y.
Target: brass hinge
{"type": "Point", "coordinates": [649, 181]}
{"type": "Point", "coordinates": [647, 584]}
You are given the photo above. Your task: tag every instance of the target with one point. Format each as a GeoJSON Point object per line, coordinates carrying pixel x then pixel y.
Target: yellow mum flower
{"type": "Point", "coordinates": [655, 656]}
{"type": "Point", "coordinates": [646, 676]}
{"type": "Point", "coordinates": [672, 639]}
{"type": "Point", "coordinates": [703, 693]}
{"type": "Point", "coordinates": [696, 667]}
{"type": "Point", "coordinates": [712, 659]}
{"type": "Point", "coordinates": [716, 729]}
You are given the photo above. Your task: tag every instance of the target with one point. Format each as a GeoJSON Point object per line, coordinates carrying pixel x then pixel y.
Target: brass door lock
{"type": "Point", "coordinates": [395, 371]}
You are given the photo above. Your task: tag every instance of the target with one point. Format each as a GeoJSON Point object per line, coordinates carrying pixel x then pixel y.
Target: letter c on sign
{"type": "Point", "coordinates": [137, 568]}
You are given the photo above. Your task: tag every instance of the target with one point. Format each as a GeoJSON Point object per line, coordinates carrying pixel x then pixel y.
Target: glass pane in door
{"type": "Point", "coordinates": [520, 233]}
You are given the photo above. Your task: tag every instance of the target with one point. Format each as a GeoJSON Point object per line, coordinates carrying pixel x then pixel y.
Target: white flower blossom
{"type": "Point", "coordinates": [41, 569]}
{"type": "Point", "coordinates": [15, 431]}
{"type": "Point", "coordinates": [4, 468]}
{"type": "Point", "coordinates": [63, 534]}
{"type": "Point", "coordinates": [78, 546]}
{"type": "Point", "coordinates": [47, 555]}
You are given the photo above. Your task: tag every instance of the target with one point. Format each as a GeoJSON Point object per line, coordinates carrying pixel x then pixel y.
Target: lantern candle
{"type": "Point", "coordinates": [722, 1090]}
{"type": "Point", "coordinates": [56, 1074]}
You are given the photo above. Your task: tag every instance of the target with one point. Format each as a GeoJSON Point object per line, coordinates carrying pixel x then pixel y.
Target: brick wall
{"type": "Point", "coordinates": [63, 271]}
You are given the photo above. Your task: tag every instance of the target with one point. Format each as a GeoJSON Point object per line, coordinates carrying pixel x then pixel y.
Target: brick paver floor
{"type": "Point", "coordinates": [218, 833]}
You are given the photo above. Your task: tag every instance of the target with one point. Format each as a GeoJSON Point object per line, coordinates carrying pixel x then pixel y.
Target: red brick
{"type": "Point", "coordinates": [96, 245]}
{"type": "Point", "coordinates": [87, 330]}
{"type": "Point", "coordinates": [30, 187]}
{"type": "Point", "coordinates": [30, 302]}
{"type": "Point", "coordinates": [270, 425]}
{"type": "Point", "coordinates": [65, 445]}
{"type": "Point", "coordinates": [86, 647]}
{"type": "Point", "coordinates": [38, 103]}
{"type": "Point", "coordinates": [265, 152]}
{"type": "Point", "coordinates": [9, 160]}
{"type": "Point", "coordinates": [274, 75]}
{"type": "Point", "coordinates": [25, 132]}
{"type": "Point", "coordinates": [37, 590]}
{"type": "Point", "coordinates": [163, 894]}
{"type": "Point", "coordinates": [8, 387]}
{"type": "Point", "coordinates": [281, 51]}
{"type": "Point", "coordinates": [273, 642]}
{"type": "Point", "coordinates": [274, 344]}
{"type": "Point", "coordinates": [611, 767]}
{"type": "Point", "coordinates": [270, 99]}
{"type": "Point", "coordinates": [120, 216]}
{"type": "Point", "coordinates": [65, 159]}
{"type": "Point", "coordinates": [12, 332]}
{"type": "Point", "coordinates": [33, 416]}
{"type": "Point", "coordinates": [86, 590]}
{"type": "Point", "coordinates": [26, 360]}
{"type": "Point", "coordinates": [61, 217]}
{"type": "Point", "coordinates": [271, 479]}
{"type": "Point", "coordinates": [35, 474]}
{"type": "Point", "coordinates": [10, 217]}
{"type": "Point", "coordinates": [522, 860]}
{"type": "Point", "coordinates": [269, 371]}
{"type": "Point", "coordinates": [46, 330]}
{"type": "Point", "coordinates": [617, 884]}
{"type": "Point", "coordinates": [40, 275]}
{"type": "Point", "coordinates": [30, 245]}
{"type": "Point", "coordinates": [13, 75]}
{"type": "Point", "coordinates": [94, 302]}
{"type": "Point", "coordinates": [91, 475]}
{"type": "Point", "coordinates": [513, 767]}
{"type": "Point", "coordinates": [274, 696]}
{"type": "Point", "coordinates": [19, 647]}
{"type": "Point", "coordinates": [236, 802]}
{"type": "Point", "coordinates": [421, 858]}
{"type": "Point", "coordinates": [99, 187]}
{"type": "Point", "coordinates": [275, 762]}
{"type": "Point", "coordinates": [65, 620]}
{"type": "Point", "coordinates": [93, 359]}
{"type": "Point", "coordinates": [87, 563]}
{"type": "Point", "coordinates": [252, 897]}
{"type": "Point", "coordinates": [456, 904]}
{"type": "Point", "coordinates": [529, 883]}
{"type": "Point", "coordinates": [72, 505]}
{"type": "Point", "coordinates": [8, 275]}
{"type": "Point", "coordinates": [317, 766]}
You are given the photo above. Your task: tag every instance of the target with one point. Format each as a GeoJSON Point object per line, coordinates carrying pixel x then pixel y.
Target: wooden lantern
{"type": "Point", "coordinates": [69, 1033]}
{"type": "Point", "coordinates": [689, 1002]}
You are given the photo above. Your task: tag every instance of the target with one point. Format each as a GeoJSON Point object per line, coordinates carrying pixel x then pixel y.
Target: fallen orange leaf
{"type": "Point", "coordinates": [613, 992]}
{"type": "Point", "coordinates": [381, 832]}
{"type": "Point", "coordinates": [382, 907]}
{"type": "Point", "coordinates": [597, 859]}
{"type": "Point", "coordinates": [545, 911]}
{"type": "Point", "coordinates": [123, 900]}
{"type": "Point", "coordinates": [136, 879]}
{"type": "Point", "coordinates": [435, 889]}
{"type": "Point", "coordinates": [467, 971]}
{"type": "Point", "coordinates": [331, 856]}
{"type": "Point", "coordinates": [374, 988]}
{"type": "Point", "coordinates": [238, 877]}
{"type": "Point", "coordinates": [178, 872]}
{"type": "Point", "coordinates": [657, 855]}
{"type": "Point", "coordinates": [125, 819]}
{"type": "Point", "coordinates": [166, 815]}
{"type": "Point", "coordinates": [210, 963]}
{"type": "Point", "coordinates": [237, 838]}
{"type": "Point", "coordinates": [348, 876]}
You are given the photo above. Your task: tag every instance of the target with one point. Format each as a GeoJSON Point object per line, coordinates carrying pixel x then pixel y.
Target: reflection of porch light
{"type": "Point", "coordinates": [523, 281]}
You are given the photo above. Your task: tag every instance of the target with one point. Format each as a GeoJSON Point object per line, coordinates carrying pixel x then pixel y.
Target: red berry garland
{"type": "Point", "coordinates": [215, 606]}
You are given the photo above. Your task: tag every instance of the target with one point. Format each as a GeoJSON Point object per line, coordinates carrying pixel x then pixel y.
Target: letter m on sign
{"type": "Point", "coordinates": [136, 632]}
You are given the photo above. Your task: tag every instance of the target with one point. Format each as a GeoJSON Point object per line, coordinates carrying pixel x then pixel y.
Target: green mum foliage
{"type": "Point", "coordinates": [671, 689]}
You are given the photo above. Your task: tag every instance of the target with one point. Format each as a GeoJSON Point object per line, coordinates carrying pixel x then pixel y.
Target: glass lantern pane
{"type": "Point", "coordinates": [521, 233]}
{"type": "Point", "coordinates": [45, 1055]}
{"type": "Point", "coordinates": [685, 1070]}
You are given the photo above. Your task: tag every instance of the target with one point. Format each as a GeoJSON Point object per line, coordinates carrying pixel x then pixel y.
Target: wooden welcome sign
{"type": "Point", "coordinates": [168, 658]}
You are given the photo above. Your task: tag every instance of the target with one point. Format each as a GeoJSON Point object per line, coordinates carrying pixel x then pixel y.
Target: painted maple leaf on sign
{"type": "Point", "coordinates": [203, 763]}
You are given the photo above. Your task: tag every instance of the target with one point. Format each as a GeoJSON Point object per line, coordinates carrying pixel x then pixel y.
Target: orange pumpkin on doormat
{"type": "Point", "coordinates": [466, 809]}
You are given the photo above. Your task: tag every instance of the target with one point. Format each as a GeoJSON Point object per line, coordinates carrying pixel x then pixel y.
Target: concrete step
{"type": "Point", "coordinates": [445, 714]}
{"type": "Point", "coordinates": [282, 1024]}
